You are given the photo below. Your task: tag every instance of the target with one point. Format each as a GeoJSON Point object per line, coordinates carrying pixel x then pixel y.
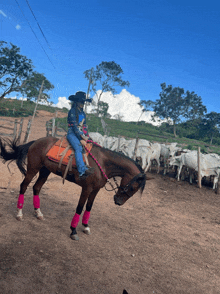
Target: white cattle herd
{"type": "Point", "coordinates": [145, 152]}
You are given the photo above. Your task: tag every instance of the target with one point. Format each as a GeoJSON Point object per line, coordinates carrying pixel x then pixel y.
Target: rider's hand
{"type": "Point", "coordinates": [83, 142]}
{"type": "Point", "coordinates": [84, 137]}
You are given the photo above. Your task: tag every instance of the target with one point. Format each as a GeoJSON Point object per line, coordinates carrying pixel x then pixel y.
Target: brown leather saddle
{"type": "Point", "coordinates": [63, 153]}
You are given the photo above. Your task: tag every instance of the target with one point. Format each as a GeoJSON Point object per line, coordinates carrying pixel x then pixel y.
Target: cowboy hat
{"type": "Point", "coordinates": [79, 97]}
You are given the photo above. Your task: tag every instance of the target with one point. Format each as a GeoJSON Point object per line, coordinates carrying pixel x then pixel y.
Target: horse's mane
{"type": "Point", "coordinates": [122, 155]}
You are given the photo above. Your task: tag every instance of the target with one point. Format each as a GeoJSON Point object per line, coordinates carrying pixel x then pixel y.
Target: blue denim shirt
{"type": "Point", "coordinates": [75, 117]}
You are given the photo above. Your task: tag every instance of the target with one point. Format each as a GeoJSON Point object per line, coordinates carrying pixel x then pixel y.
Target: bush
{"type": "Point", "coordinates": [190, 147]}
{"type": "Point", "coordinates": [203, 150]}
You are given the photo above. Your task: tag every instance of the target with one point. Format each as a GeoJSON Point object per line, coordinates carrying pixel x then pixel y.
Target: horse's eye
{"type": "Point", "coordinates": [132, 189]}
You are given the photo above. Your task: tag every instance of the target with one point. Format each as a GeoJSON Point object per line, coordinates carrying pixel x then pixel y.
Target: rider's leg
{"type": "Point", "coordinates": [75, 143]}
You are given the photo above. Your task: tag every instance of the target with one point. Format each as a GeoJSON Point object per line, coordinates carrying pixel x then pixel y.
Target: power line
{"type": "Point", "coordinates": [37, 23]}
{"type": "Point", "coordinates": [35, 34]}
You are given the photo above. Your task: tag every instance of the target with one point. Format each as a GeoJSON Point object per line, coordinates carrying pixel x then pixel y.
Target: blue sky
{"type": "Point", "coordinates": [153, 41]}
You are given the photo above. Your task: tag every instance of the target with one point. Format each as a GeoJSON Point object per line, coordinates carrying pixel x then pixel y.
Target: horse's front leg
{"type": "Point", "coordinates": [86, 215]}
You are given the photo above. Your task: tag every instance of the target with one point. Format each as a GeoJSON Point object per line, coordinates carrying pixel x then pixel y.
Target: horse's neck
{"type": "Point", "coordinates": [117, 165]}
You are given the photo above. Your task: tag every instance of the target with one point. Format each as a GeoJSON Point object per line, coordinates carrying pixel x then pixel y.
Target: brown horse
{"type": "Point", "coordinates": [110, 165]}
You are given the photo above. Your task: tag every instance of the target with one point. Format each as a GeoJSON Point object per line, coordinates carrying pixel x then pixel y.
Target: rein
{"type": "Point", "coordinates": [124, 188]}
{"type": "Point", "coordinates": [96, 161]}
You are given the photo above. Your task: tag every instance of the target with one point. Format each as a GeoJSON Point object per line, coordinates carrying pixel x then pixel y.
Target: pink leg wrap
{"type": "Point", "coordinates": [86, 217]}
{"type": "Point", "coordinates": [36, 201]}
{"type": "Point", "coordinates": [20, 201]}
{"type": "Point", "coordinates": [75, 220]}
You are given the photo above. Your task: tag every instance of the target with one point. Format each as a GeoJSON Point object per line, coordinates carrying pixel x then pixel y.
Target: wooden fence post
{"type": "Point", "coordinates": [53, 127]}
{"type": "Point", "coordinates": [35, 109]}
{"type": "Point", "coordinates": [48, 128]}
{"type": "Point", "coordinates": [199, 168]}
{"type": "Point", "coordinates": [27, 132]}
{"type": "Point", "coordinates": [20, 130]}
{"type": "Point", "coordinates": [118, 143]}
{"type": "Point", "coordinates": [15, 129]}
{"type": "Point", "coordinates": [217, 191]}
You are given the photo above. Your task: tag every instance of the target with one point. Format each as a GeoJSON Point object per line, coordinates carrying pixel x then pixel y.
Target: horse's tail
{"type": "Point", "coordinates": [10, 151]}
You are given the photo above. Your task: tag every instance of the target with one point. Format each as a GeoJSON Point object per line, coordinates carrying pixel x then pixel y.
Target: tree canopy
{"type": "Point", "coordinates": [105, 77]}
{"type": "Point", "coordinates": [17, 74]}
{"type": "Point", "coordinates": [210, 125]}
{"type": "Point", "coordinates": [175, 104]}
{"type": "Point", "coordinates": [102, 110]}
{"type": "Point", "coordinates": [194, 108]}
{"type": "Point", "coordinates": [32, 87]}
{"type": "Point", "coordinates": [14, 69]}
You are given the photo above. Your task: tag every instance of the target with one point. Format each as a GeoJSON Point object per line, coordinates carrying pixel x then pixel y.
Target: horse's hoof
{"type": "Point", "coordinates": [74, 237]}
{"type": "Point", "coordinates": [86, 230]}
{"type": "Point", "coordinates": [19, 218]}
{"type": "Point", "coordinates": [39, 214]}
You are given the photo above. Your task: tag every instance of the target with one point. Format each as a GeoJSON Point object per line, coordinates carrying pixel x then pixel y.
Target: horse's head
{"type": "Point", "coordinates": [128, 188]}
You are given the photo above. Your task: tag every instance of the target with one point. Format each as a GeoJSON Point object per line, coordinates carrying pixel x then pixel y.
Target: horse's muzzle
{"type": "Point", "coordinates": [117, 201]}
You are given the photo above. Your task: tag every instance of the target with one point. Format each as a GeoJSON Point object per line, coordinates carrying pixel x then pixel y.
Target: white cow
{"type": "Point", "coordinates": [153, 153]}
{"type": "Point", "coordinates": [122, 145]}
{"type": "Point", "coordinates": [98, 138]}
{"type": "Point", "coordinates": [209, 165]}
{"type": "Point", "coordinates": [166, 152]}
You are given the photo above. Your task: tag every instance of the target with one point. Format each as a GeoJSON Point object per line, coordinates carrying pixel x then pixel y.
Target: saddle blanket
{"type": "Point", "coordinates": [62, 148]}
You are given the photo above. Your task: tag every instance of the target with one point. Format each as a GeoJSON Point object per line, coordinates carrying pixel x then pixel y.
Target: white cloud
{"type": "Point", "coordinates": [124, 104]}
{"type": "Point", "coordinates": [63, 102]}
{"type": "Point", "coordinates": [18, 27]}
{"type": "Point", "coordinates": [21, 98]}
{"type": "Point", "coordinates": [2, 13]}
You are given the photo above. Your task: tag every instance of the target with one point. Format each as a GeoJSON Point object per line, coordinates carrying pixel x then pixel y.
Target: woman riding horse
{"type": "Point", "coordinates": [77, 131]}
{"type": "Point", "coordinates": [107, 164]}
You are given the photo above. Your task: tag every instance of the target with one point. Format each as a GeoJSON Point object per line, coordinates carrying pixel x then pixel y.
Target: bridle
{"type": "Point", "coordinates": [124, 189]}
{"type": "Point", "coordinates": [127, 187]}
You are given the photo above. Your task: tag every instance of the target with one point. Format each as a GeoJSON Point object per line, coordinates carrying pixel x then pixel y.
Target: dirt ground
{"type": "Point", "coordinates": [165, 241]}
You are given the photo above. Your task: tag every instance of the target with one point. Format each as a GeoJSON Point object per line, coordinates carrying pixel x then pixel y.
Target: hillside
{"type": "Point", "coordinates": [161, 134]}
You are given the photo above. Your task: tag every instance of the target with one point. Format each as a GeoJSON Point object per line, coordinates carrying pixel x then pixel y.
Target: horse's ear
{"type": "Point", "coordinates": [142, 177]}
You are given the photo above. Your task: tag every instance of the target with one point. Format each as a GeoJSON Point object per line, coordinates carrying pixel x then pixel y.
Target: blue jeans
{"type": "Point", "coordinates": [76, 145]}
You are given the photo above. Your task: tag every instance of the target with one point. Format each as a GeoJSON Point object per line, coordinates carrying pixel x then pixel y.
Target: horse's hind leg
{"type": "Point", "coordinates": [23, 187]}
{"type": "Point", "coordinates": [43, 175]}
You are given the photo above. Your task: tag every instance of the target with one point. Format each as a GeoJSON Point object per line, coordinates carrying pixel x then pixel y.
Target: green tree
{"type": "Point", "coordinates": [194, 107]}
{"type": "Point", "coordinates": [170, 105]}
{"type": "Point", "coordinates": [210, 126]}
{"type": "Point", "coordinates": [107, 76]}
{"type": "Point", "coordinates": [14, 69]}
{"type": "Point", "coordinates": [102, 110]}
{"type": "Point", "coordinates": [32, 87]}
{"type": "Point", "coordinates": [118, 117]}
{"type": "Point", "coordinates": [146, 106]}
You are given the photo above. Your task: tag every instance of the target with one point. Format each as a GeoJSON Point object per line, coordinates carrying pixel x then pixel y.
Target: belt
{"type": "Point", "coordinates": [80, 128]}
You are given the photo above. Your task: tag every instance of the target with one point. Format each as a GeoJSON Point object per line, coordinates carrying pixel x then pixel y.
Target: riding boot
{"type": "Point", "coordinates": [88, 172]}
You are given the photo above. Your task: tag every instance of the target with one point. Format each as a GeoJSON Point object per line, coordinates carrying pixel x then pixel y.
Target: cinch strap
{"type": "Point", "coordinates": [20, 201]}
{"type": "Point", "coordinates": [86, 217]}
{"type": "Point", "coordinates": [36, 201]}
{"type": "Point", "coordinates": [75, 220]}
